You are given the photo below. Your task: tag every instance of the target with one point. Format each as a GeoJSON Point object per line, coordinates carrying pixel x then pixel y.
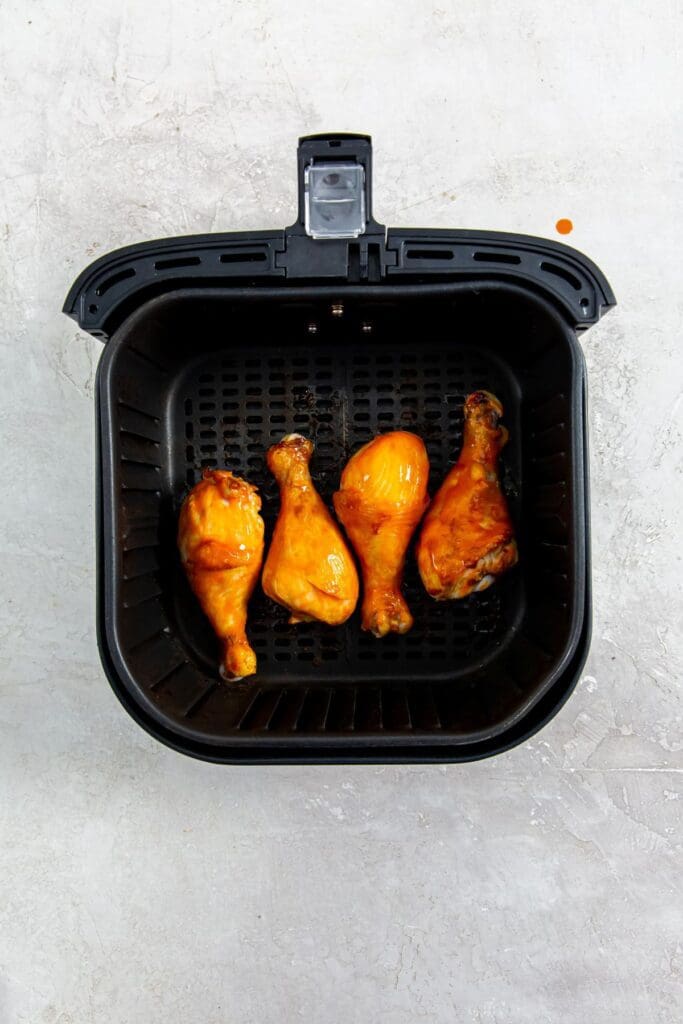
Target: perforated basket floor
{"type": "Point", "coordinates": [231, 409]}
{"type": "Point", "coordinates": [189, 383]}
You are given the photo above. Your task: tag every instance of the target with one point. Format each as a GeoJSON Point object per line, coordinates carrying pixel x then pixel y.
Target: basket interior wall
{"type": "Point", "coordinates": [210, 381]}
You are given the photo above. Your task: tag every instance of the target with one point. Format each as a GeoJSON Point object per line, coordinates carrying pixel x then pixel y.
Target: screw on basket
{"type": "Point", "coordinates": [312, 328]}
{"type": "Point", "coordinates": [366, 327]}
{"type": "Point", "coordinates": [337, 309]}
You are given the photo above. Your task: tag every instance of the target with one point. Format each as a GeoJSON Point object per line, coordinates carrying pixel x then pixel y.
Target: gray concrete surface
{"type": "Point", "coordinates": [137, 885]}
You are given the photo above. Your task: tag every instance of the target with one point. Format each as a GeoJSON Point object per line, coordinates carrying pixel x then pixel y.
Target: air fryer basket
{"type": "Point", "coordinates": [213, 353]}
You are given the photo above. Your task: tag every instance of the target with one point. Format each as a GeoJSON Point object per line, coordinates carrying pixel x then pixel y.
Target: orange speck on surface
{"type": "Point", "coordinates": [564, 225]}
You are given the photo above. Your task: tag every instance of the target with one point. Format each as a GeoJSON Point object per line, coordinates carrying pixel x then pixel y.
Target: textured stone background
{"type": "Point", "coordinates": [137, 885]}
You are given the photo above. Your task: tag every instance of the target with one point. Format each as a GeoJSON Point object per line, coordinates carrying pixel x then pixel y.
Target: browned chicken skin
{"type": "Point", "coordinates": [382, 496]}
{"type": "Point", "coordinates": [220, 537]}
{"type": "Point", "coordinates": [466, 538]}
{"type": "Point", "coordinates": [309, 568]}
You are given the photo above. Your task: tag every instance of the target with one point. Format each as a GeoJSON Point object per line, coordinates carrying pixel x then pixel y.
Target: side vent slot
{"type": "Point", "coordinates": [566, 275]}
{"type": "Point", "coordinates": [497, 257]}
{"type": "Point", "coordinates": [177, 263]}
{"type": "Point", "coordinates": [430, 254]}
{"type": "Point", "coordinates": [115, 279]}
{"type": "Point", "coordinates": [243, 257]}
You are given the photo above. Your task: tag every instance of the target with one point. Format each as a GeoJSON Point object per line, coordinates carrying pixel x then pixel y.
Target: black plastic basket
{"type": "Point", "coordinates": [217, 345]}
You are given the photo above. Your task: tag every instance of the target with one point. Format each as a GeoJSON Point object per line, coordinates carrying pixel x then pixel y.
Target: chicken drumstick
{"type": "Point", "coordinates": [466, 538]}
{"type": "Point", "coordinates": [220, 537]}
{"type": "Point", "coordinates": [309, 569]}
{"type": "Point", "coordinates": [382, 496]}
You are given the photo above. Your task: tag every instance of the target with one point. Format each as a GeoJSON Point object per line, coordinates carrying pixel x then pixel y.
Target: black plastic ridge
{"type": "Point", "coordinates": [562, 274]}
{"type": "Point", "coordinates": [117, 283]}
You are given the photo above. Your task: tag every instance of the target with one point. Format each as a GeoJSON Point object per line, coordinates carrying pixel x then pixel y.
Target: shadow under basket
{"type": "Point", "coordinates": [201, 370]}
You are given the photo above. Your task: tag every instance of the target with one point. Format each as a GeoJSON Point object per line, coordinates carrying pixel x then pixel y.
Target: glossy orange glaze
{"type": "Point", "coordinates": [382, 496]}
{"type": "Point", "coordinates": [309, 568]}
{"type": "Point", "coordinates": [220, 537]}
{"type": "Point", "coordinates": [466, 539]}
